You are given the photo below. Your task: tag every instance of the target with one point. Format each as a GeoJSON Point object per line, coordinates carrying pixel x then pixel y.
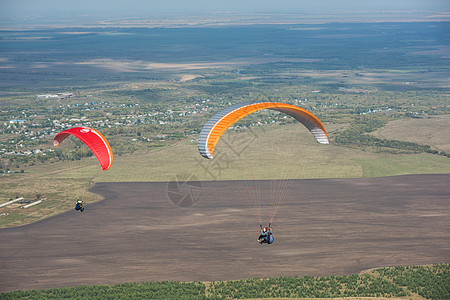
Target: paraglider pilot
{"type": "Point", "coordinates": [79, 205]}
{"type": "Point", "coordinates": [266, 235]}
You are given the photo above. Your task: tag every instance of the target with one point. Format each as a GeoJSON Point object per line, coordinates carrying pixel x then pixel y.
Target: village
{"type": "Point", "coordinates": [28, 131]}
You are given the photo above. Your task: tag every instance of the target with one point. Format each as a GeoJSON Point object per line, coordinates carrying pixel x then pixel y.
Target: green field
{"type": "Point", "coordinates": [432, 131]}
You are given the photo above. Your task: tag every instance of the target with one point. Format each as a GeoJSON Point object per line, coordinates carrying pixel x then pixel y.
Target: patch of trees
{"type": "Point", "coordinates": [431, 282]}
{"type": "Point", "coordinates": [77, 153]}
{"type": "Point", "coordinates": [147, 290]}
{"type": "Point", "coordinates": [308, 287]}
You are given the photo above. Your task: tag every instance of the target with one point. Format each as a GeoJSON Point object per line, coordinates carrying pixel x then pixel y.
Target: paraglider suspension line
{"type": "Point", "coordinates": [255, 202]}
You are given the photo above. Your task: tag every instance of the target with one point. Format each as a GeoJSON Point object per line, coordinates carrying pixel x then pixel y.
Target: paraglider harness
{"type": "Point", "coordinates": [79, 206]}
{"type": "Point", "coordinates": [266, 236]}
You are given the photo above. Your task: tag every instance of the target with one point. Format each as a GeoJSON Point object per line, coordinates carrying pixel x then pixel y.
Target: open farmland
{"type": "Point", "coordinates": [324, 227]}
{"type": "Point", "coordinates": [432, 131]}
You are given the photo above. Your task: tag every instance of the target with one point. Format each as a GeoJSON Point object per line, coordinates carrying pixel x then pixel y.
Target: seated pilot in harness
{"type": "Point", "coordinates": [266, 236]}
{"type": "Point", "coordinates": [79, 205]}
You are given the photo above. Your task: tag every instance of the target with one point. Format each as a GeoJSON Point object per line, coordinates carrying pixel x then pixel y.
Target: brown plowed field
{"type": "Point", "coordinates": [323, 227]}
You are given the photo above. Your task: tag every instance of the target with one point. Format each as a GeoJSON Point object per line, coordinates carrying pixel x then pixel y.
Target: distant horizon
{"type": "Point", "coordinates": [213, 19]}
{"type": "Point", "coordinates": [122, 8]}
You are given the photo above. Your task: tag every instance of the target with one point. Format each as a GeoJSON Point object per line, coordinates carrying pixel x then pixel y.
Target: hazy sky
{"type": "Point", "coordinates": [142, 7]}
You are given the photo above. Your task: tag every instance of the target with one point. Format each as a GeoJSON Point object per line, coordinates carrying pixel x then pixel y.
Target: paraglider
{"type": "Point", "coordinates": [95, 141]}
{"type": "Point", "coordinates": [266, 236]}
{"type": "Point", "coordinates": [79, 205]}
{"type": "Point", "coordinates": [218, 125]}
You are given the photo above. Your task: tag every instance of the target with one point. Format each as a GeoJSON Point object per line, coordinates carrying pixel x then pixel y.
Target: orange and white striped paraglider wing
{"type": "Point", "coordinates": [218, 124]}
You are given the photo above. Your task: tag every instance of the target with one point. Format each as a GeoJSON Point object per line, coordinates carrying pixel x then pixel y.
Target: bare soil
{"type": "Point", "coordinates": [323, 227]}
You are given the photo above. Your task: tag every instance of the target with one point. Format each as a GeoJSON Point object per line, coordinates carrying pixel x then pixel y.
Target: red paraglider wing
{"type": "Point", "coordinates": [93, 139]}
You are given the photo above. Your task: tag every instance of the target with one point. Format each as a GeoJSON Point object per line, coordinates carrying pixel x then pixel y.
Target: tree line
{"type": "Point", "coordinates": [430, 282]}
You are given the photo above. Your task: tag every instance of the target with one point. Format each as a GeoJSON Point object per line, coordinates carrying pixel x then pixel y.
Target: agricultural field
{"type": "Point", "coordinates": [155, 231]}
{"type": "Point", "coordinates": [431, 131]}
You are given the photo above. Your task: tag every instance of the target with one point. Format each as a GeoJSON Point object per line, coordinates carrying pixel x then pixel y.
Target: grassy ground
{"type": "Point", "coordinates": [244, 156]}
{"type": "Point", "coordinates": [262, 153]}
{"type": "Point", "coordinates": [60, 183]}
{"type": "Point", "coordinates": [432, 131]}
